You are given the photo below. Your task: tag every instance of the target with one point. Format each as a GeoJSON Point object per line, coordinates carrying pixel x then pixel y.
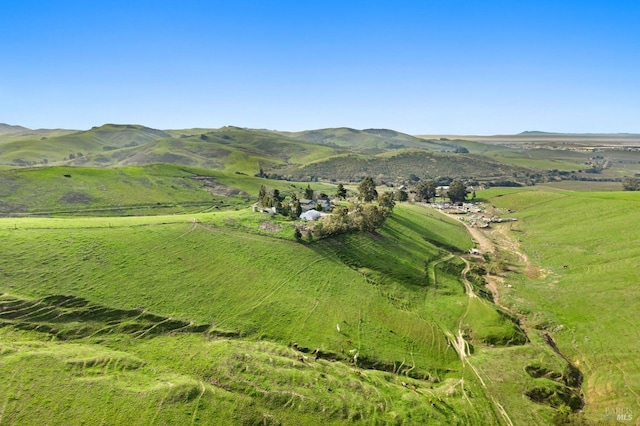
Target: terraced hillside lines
{"type": "Point", "coordinates": [69, 317]}
{"type": "Point", "coordinates": [265, 291]}
{"type": "Point", "coordinates": [251, 284]}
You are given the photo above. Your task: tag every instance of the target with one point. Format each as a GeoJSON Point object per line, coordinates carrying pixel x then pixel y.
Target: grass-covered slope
{"type": "Point", "coordinates": [130, 190]}
{"type": "Point", "coordinates": [586, 292]}
{"type": "Point", "coordinates": [398, 165]}
{"type": "Point", "coordinates": [53, 147]}
{"type": "Point", "coordinates": [210, 318]}
{"type": "Point", "coordinates": [152, 189]}
{"type": "Point", "coordinates": [230, 148]}
{"type": "Point", "coordinates": [368, 140]}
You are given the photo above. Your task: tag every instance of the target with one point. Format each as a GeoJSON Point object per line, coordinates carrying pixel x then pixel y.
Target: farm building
{"type": "Point", "coordinates": [312, 214]}
{"type": "Point", "coordinates": [324, 204]}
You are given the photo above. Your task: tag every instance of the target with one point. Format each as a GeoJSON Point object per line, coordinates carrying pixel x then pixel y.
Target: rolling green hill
{"type": "Point", "coordinates": [132, 190]}
{"type": "Point", "coordinates": [327, 154]}
{"type": "Point", "coordinates": [229, 148]}
{"type": "Point", "coordinates": [580, 285]}
{"type": "Point", "coordinates": [137, 286]}
{"type": "Point", "coordinates": [6, 129]}
{"type": "Point", "coordinates": [218, 315]}
{"type": "Point", "coordinates": [68, 146]}
{"type": "Point", "coordinates": [369, 140]}
{"type": "Point", "coordinates": [198, 318]}
{"type": "Point", "coordinates": [397, 166]}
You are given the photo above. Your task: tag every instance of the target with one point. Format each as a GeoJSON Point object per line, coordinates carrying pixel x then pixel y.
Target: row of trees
{"type": "Point", "coordinates": [360, 216]}
{"type": "Point", "coordinates": [426, 190]}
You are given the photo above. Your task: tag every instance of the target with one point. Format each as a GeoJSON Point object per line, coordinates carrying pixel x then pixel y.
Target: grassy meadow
{"type": "Point", "coordinates": [210, 318]}
{"type": "Point", "coordinates": [135, 190]}
{"type": "Point", "coordinates": [585, 292]}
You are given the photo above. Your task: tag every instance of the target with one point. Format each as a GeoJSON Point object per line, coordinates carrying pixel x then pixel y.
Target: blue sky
{"type": "Point", "coordinates": [421, 67]}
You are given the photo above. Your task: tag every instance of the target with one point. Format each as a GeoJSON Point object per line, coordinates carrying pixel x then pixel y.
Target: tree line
{"type": "Point", "coordinates": [366, 212]}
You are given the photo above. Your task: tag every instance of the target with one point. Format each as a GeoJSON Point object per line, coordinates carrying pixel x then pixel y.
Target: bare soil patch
{"type": "Point", "coordinates": [270, 226]}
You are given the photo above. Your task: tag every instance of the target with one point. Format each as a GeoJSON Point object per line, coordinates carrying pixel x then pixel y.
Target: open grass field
{"type": "Point", "coordinates": [153, 189]}
{"type": "Point", "coordinates": [585, 291]}
{"type": "Point", "coordinates": [209, 319]}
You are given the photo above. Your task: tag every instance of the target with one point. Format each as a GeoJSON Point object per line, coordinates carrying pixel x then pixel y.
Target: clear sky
{"type": "Point", "coordinates": [421, 67]}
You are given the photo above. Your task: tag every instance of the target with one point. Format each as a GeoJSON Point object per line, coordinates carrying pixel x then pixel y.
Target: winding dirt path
{"type": "Point", "coordinates": [485, 245]}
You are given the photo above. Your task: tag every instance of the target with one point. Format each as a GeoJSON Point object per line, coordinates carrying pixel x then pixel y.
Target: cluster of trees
{"type": "Point", "coordinates": [631, 184]}
{"type": "Point", "coordinates": [426, 190]}
{"type": "Point", "coordinates": [273, 198]}
{"type": "Point", "coordinates": [355, 217]}
{"type": "Point", "coordinates": [362, 215]}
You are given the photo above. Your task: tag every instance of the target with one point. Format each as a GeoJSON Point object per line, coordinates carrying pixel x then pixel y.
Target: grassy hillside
{"type": "Point", "coordinates": [54, 148]}
{"type": "Point", "coordinates": [397, 166]}
{"type": "Point", "coordinates": [6, 129]}
{"type": "Point", "coordinates": [341, 153]}
{"type": "Point", "coordinates": [584, 291]}
{"type": "Point", "coordinates": [153, 189]}
{"type": "Point", "coordinates": [369, 140]}
{"type": "Point", "coordinates": [230, 148]}
{"type": "Point", "coordinates": [212, 318]}
{"type": "Point", "coordinates": [132, 190]}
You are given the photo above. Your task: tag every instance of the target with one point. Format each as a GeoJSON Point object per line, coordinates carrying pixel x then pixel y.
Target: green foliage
{"type": "Point", "coordinates": [457, 192]}
{"type": "Point", "coordinates": [386, 202]}
{"type": "Point", "coordinates": [356, 218]}
{"type": "Point", "coordinates": [367, 190]}
{"type": "Point", "coordinates": [341, 192]}
{"type": "Point", "coordinates": [425, 190]}
{"type": "Point", "coordinates": [631, 184]}
{"type": "Point", "coordinates": [296, 208]}
{"type": "Point", "coordinates": [308, 193]}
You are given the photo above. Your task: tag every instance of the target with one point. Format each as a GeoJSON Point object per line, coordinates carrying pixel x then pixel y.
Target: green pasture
{"type": "Point", "coordinates": [360, 301]}
{"type": "Point", "coordinates": [146, 190]}
{"type": "Point", "coordinates": [585, 244]}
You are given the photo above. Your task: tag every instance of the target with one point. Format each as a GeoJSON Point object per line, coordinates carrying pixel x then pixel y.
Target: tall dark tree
{"type": "Point", "coordinates": [276, 197]}
{"type": "Point", "coordinates": [457, 192]}
{"type": "Point", "coordinates": [308, 193]}
{"type": "Point", "coordinates": [296, 208]}
{"type": "Point", "coordinates": [367, 190]}
{"type": "Point", "coordinates": [426, 190]}
{"type": "Point", "coordinates": [401, 195]}
{"type": "Point", "coordinates": [341, 192]}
